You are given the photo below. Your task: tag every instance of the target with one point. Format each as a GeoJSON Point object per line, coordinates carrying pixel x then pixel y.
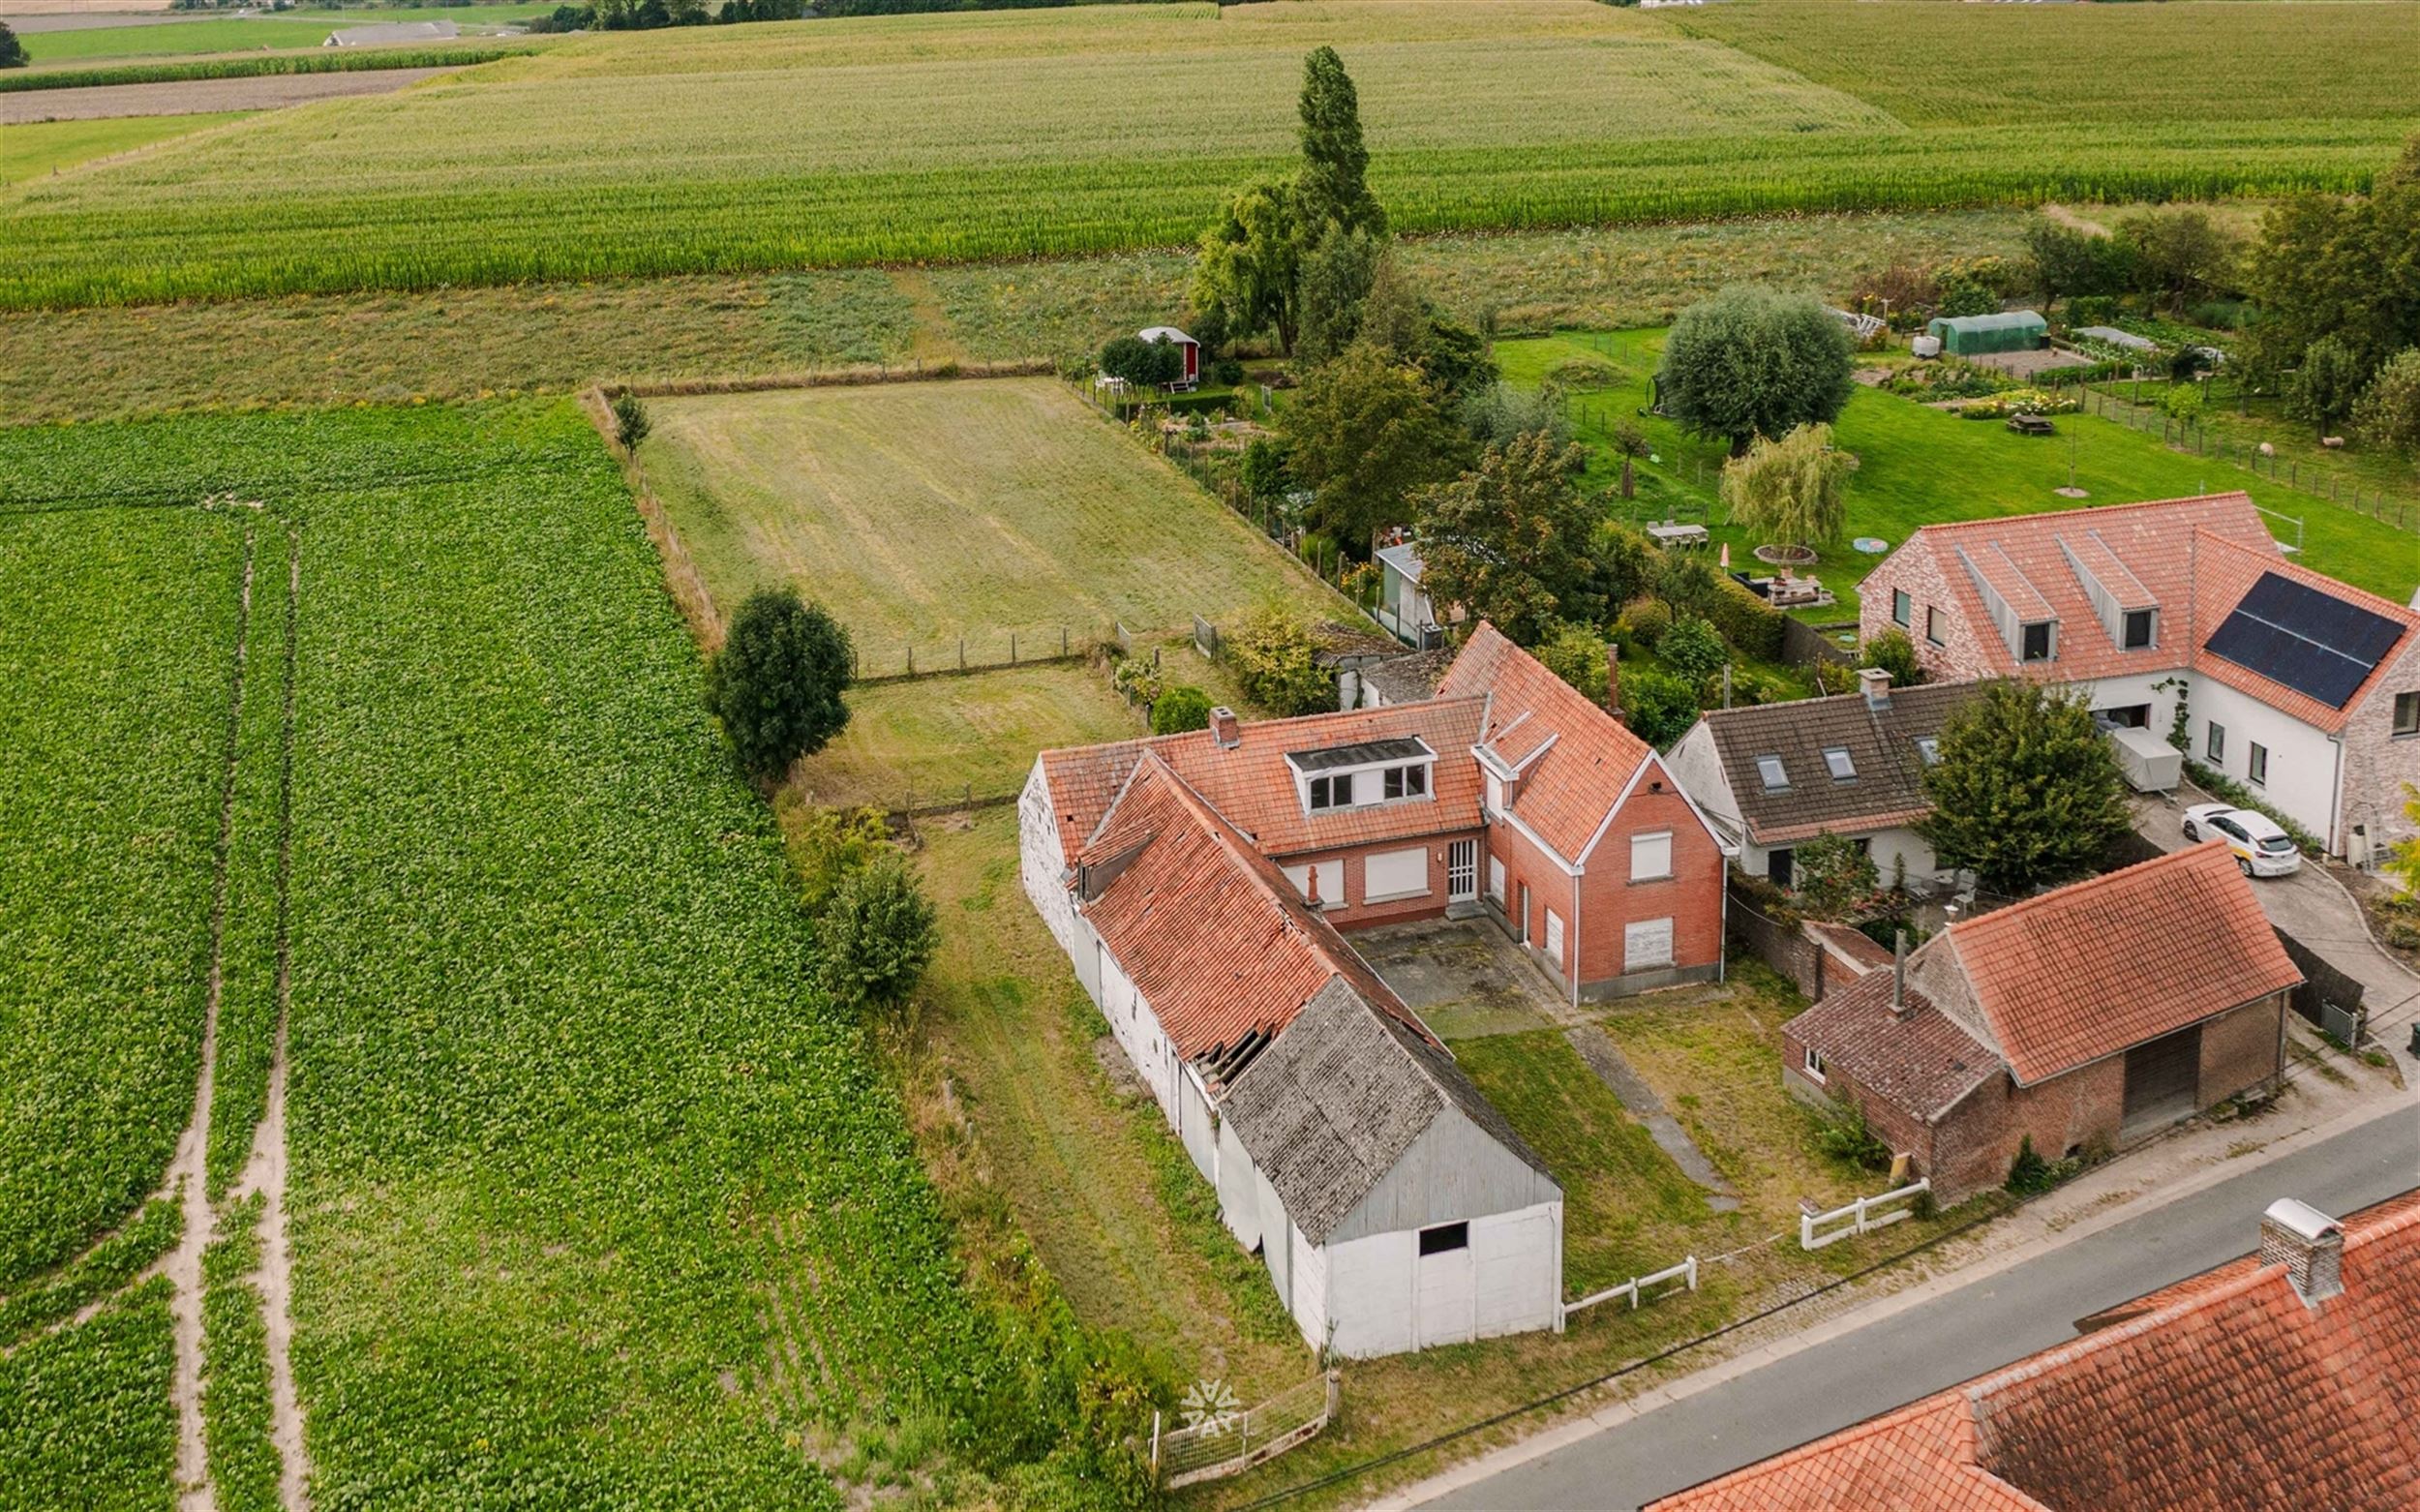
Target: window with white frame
{"type": "Point", "coordinates": [1331, 791]}
{"type": "Point", "coordinates": [1407, 782]}
{"type": "Point", "coordinates": [2214, 741]}
{"type": "Point", "coordinates": [1650, 856]}
{"type": "Point", "coordinates": [1814, 1063]}
{"type": "Point", "coordinates": [1902, 608]}
{"type": "Point", "coordinates": [2142, 628]}
{"type": "Point", "coordinates": [2407, 713]}
{"type": "Point", "coordinates": [2257, 763]}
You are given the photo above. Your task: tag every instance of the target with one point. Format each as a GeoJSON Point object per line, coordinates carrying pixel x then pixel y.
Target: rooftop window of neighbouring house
{"type": "Point", "coordinates": [1837, 761]}
{"type": "Point", "coordinates": [1770, 770]}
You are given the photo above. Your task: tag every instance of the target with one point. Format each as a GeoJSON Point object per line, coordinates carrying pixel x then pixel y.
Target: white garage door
{"type": "Point", "coordinates": [1443, 1287]}
{"type": "Point", "coordinates": [1514, 1266]}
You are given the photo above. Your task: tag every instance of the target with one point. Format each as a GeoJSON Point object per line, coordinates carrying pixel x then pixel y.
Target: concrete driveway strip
{"type": "Point", "coordinates": [1951, 1337]}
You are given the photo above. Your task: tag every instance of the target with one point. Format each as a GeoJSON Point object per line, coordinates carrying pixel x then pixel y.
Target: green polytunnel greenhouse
{"type": "Point", "coordinates": [2013, 330]}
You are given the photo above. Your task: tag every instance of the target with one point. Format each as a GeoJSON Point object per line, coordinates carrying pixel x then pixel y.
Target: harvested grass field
{"type": "Point", "coordinates": [922, 512]}
{"type": "Point", "coordinates": [813, 144]}
{"type": "Point", "coordinates": [183, 98]}
{"type": "Point", "coordinates": [35, 151]}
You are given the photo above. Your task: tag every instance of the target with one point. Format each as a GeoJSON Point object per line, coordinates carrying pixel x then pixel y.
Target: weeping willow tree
{"type": "Point", "coordinates": [1794, 489]}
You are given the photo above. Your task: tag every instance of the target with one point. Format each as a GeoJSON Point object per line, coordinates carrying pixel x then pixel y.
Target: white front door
{"type": "Point", "coordinates": [1444, 1287]}
{"type": "Point", "coordinates": [1462, 871]}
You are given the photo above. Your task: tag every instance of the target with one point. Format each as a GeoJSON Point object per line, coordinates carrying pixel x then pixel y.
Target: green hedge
{"type": "Point", "coordinates": [1752, 626]}
{"type": "Point", "coordinates": [255, 68]}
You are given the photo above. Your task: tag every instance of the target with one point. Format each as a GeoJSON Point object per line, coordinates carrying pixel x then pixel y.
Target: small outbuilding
{"type": "Point", "coordinates": [1970, 334]}
{"type": "Point", "coordinates": [1188, 375]}
{"type": "Point", "coordinates": [2090, 1016]}
{"type": "Point", "coordinates": [1404, 606]}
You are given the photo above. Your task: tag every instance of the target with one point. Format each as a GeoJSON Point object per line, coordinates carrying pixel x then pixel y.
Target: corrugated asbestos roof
{"type": "Point", "coordinates": [1328, 1110]}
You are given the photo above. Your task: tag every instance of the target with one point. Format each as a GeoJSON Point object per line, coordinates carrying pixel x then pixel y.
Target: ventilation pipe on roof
{"type": "Point", "coordinates": [2309, 1244]}
{"type": "Point", "coordinates": [1224, 729]}
{"type": "Point", "coordinates": [1875, 684]}
{"type": "Point", "coordinates": [1898, 974]}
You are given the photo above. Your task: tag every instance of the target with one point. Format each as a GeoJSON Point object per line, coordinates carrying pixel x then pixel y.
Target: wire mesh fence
{"type": "Point", "coordinates": [1223, 1443]}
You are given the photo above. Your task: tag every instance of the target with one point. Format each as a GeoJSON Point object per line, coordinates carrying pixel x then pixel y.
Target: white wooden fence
{"type": "Point", "coordinates": [1635, 1288]}
{"type": "Point", "coordinates": [1862, 1216]}
{"type": "Point", "coordinates": [1234, 1443]}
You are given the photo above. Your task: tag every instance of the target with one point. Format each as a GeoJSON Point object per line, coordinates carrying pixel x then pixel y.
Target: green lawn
{"type": "Point", "coordinates": [43, 147]}
{"type": "Point", "coordinates": [1627, 1209]}
{"type": "Point", "coordinates": [1919, 465]}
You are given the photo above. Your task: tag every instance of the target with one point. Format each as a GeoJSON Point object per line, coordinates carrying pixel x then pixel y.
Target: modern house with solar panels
{"type": "Point", "coordinates": [2301, 688]}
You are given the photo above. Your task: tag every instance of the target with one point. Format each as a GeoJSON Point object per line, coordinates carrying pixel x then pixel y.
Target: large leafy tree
{"type": "Point", "coordinates": [1332, 289]}
{"type": "Point", "coordinates": [1796, 489]}
{"type": "Point", "coordinates": [1250, 262]}
{"type": "Point", "coordinates": [2324, 389]}
{"type": "Point", "coordinates": [2181, 255]}
{"type": "Point", "coordinates": [2025, 794]}
{"type": "Point", "coordinates": [1333, 188]}
{"type": "Point", "coordinates": [1750, 362]}
{"type": "Point", "coordinates": [1508, 539]}
{"type": "Point", "coordinates": [1364, 431]}
{"type": "Point", "coordinates": [2069, 261]}
{"type": "Point", "coordinates": [2344, 268]}
{"type": "Point", "coordinates": [2389, 411]}
{"type": "Point", "coordinates": [776, 683]}
{"type": "Point", "coordinates": [11, 50]}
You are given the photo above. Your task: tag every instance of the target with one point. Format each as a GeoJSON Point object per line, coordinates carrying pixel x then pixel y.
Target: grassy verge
{"type": "Point", "coordinates": [1113, 1206]}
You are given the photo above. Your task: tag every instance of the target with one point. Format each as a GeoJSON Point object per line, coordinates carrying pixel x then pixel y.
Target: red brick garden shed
{"type": "Point", "coordinates": [2090, 1016]}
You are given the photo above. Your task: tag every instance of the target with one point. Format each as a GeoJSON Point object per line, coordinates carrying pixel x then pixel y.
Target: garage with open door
{"type": "Point", "coordinates": [2163, 1082]}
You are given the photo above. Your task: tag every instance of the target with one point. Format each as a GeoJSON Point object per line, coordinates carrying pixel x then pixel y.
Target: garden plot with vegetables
{"type": "Point", "coordinates": [372, 835]}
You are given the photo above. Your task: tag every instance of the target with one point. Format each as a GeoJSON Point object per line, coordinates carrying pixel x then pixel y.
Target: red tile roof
{"type": "Point", "coordinates": [1577, 760]}
{"type": "Point", "coordinates": [2195, 558]}
{"type": "Point", "coordinates": [2224, 573]}
{"type": "Point", "coordinates": [1923, 1063]}
{"type": "Point", "coordinates": [1252, 787]}
{"type": "Point", "coordinates": [1215, 938]}
{"type": "Point", "coordinates": [2235, 1395]}
{"type": "Point", "coordinates": [2099, 966]}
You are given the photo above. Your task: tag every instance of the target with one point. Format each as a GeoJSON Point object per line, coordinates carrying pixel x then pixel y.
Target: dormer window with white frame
{"type": "Point", "coordinates": [2040, 639]}
{"type": "Point", "coordinates": [1363, 774]}
{"type": "Point", "coordinates": [2139, 630]}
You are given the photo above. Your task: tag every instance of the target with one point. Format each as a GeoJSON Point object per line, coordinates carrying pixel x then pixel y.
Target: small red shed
{"type": "Point", "coordinates": [1191, 374]}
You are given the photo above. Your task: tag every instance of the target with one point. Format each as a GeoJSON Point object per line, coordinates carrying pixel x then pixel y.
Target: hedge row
{"type": "Point", "coordinates": [267, 64]}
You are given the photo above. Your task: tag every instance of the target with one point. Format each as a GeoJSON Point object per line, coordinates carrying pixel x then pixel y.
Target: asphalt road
{"type": "Point", "coordinates": [1978, 1328]}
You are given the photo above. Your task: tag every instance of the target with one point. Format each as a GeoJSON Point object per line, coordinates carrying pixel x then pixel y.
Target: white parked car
{"type": "Point", "coordinates": [2261, 849]}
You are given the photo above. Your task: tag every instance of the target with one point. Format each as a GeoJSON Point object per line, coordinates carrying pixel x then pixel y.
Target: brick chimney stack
{"type": "Point", "coordinates": [2309, 1244]}
{"type": "Point", "coordinates": [1224, 728]}
{"type": "Point", "coordinates": [1875, 684]}
{"type": "Point", "coordinates": [1898, 975]}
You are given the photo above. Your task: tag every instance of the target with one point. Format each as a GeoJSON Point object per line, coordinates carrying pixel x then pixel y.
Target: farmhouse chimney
{"type": "Point", "coordinates": [1875, 683]}
{"type": "Point", "coordinates": [1898, 974]}
{"type": "Point", "coordinates": [2309, 1244]}
{"type": "Point", "coordinates": [1224, 728]}
{"type": "Point", "coordinates": [1613, 679]}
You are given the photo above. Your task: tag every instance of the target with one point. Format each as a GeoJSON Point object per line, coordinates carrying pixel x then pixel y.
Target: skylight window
{"type": "Point", "coordinates": [1837, 761]}
{"type": "Point", "coordinates": [1769, 769]}
{"type": "Point", "coordinates": [1929, 748]}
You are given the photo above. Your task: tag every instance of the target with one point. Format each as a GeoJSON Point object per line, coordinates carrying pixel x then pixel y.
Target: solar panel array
{"type": "Point", "coordinates": [2310, 641]}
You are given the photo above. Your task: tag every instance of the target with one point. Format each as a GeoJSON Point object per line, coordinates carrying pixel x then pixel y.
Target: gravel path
{"type": "Point", "coordinates": [24, 107]}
